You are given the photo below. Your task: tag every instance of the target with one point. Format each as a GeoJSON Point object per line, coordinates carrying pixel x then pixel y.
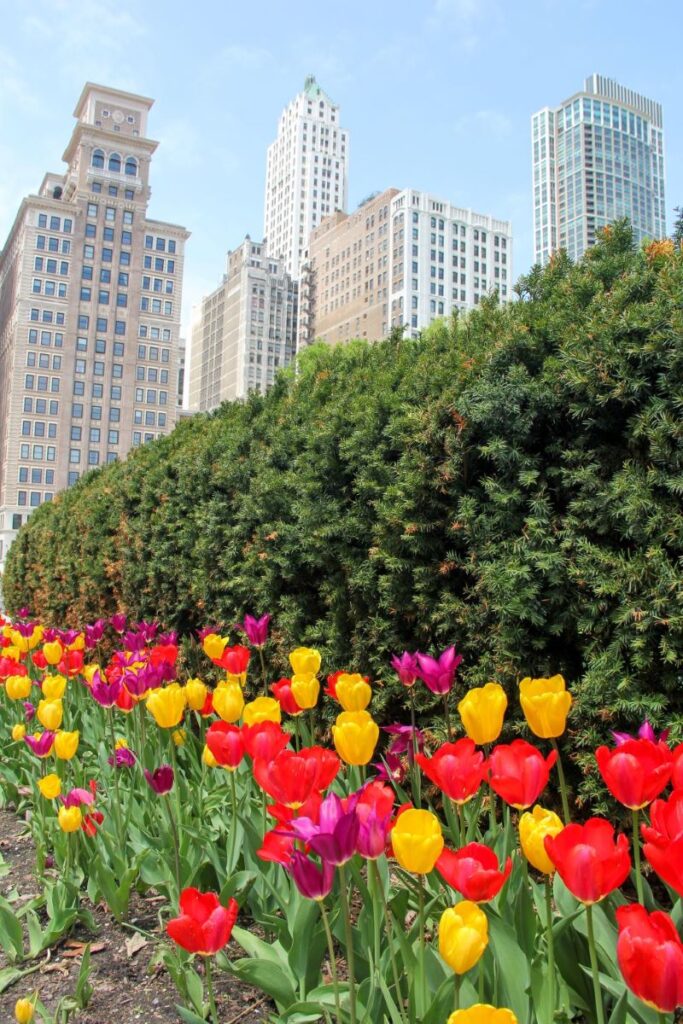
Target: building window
{"type": "Point", "coordinates": [97, 159]}
{"type": "Point", "coordinates": [115, 163]}
{"type": "Point", "coordinates": [131, 166]}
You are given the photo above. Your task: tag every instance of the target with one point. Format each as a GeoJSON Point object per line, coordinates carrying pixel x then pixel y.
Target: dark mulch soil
{"type": "Point", "coordinates": [125, 990]}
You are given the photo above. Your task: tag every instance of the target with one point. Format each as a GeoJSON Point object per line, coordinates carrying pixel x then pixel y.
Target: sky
{"type": "Point", "coordinates": [435, 94]}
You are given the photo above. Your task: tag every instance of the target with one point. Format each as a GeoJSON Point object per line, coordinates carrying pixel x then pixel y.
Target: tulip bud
{"type": "Point", "coordinates": [228, 701]}
{"type": "Point", "coordinates": [534, 826]}
{"type": "Point", "coordinates": [263, 709]}
{"type": "Point", "coordinates": [213, 645]}
{"type": "Point", "coordinates": [53, 687]}
{"type": "Point", "coordinates": [546, 704]}
{"type": "Point", "coordinates": [305, 690]}
{"type": "Point", "coordinates": [50, 714]}
{"type": "Point", "coordinates": [17, 687]}
{"type": "Point", "coordinates": [355, 735]}
{"type": "Point", "coordinates": [195, 694]}
{"type": "Point", "coordinates": [417, 841]}
{"type": "Point", "coordinates": [463, 935]}
{"type": "Point", "coordinates": [167, 705]}
{"type": "Point", "coordinates": [66, 745]}
{"type": "Point", "coordinates": [70, 819]}
{"type": "Point", "coordinates": [50, 786]}
{"type": "Point", "coordinates": [53, 652]}
{"type": "Point", "coordinates": [353, 692]}
{"type": "Point", "coordinates": [18, 731]}
{"type": "Point", "coordinates": [23, 1011]}
{"type": "Point", "coordinates": [305, 661]}
{"type": "Point", "coordinates": [482, 710]}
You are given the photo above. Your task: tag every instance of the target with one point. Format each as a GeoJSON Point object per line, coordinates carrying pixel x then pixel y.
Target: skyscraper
{"type": "Point", "coordinates": [597, 157]}
{"type": "Point", "coordinates": [306, 173]}
{"type": "Point", "coordinates": [90, 293]}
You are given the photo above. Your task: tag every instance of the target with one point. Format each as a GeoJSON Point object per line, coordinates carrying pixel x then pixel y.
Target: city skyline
{"type": "Point", "coordinates": [414, 99]}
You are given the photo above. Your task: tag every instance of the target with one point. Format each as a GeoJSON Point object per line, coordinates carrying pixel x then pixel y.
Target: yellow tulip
{"type": "Point", "coordinates": [208, 758]}
{"type": "Point", "coordinates": [355, 735]}
{"type": "Point", "coordinates": [18, 687]}
{"type": "Point", "coordinates": [50, 786]}
{"type": "Point", "coordinates": [20, 642]}
{"type": "Point", "coordinates": [66, 745]}
{"type": "Point", "coordinates": [18, 731]}
{"type": "Point", "coordinates": [12, 652]}
{"type": "Point", "coordinates": [53, 687]}
{"type": "Point", "coordinates": [482, 711]}
{"type": "Point", "coordinates": [178, 737]}
{"type": "Point", "coordinates": [195, 694]}
{"type": "Point", "coordinates": [263, 709]}
{"type": "Point", "coordinates": [534, 826]}
{"type": "Point", "coordinates": [305, 690]}
{"type": "Point", "coordinates": [463, 935]}
{"type": "Point", "coordinates": [305, 661]}
{"type": "Point", "coordinates": [90, 670]}
{"type": "Point", "coordinates": [482, 1013]}
{"type": "Point", "coordinates": [78, 644]}
{"type": "Point", "coordinates": [213, 645]}
{"type": "Point", "coordinates": [228, 701]}
{"type": "Point", "coordinates": [417, 841]}
{"type": "Point", "coordinates": [167, 705]}
{"type": "Point", "coordinates": [50, 714]}
{"type": "Point", "coordinates": [6, 630]}
{"type": "Point", "coordinates": [121, 744]}
{"type": "Point", "coordinates": [353, 693]}
{"type": "Point", "coordinates": [546, 704]}
{"type": "Point", "coordinates": [70, 819]}
{"type": "Point", "coordinates": [53, 652]}
{"type": "Point", "coordinates": [23, 1011]}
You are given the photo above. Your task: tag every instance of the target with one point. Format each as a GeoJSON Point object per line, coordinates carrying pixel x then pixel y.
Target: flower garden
{"type": "Point", "coordinates": [368, 871]}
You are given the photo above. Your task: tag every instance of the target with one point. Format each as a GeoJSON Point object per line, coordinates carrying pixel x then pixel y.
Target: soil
{"type": "Point", "coordinates": [125, 990]}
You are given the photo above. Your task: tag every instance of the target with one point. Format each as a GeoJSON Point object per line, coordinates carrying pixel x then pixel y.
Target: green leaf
{"type": "Point", "coordinates": [188, 1016]}
{"type": "Point", "coordinates": [514, 967]}
{"type": "Point", "coordinates": [269, 977]}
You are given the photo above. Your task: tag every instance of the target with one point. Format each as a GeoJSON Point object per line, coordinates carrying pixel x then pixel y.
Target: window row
{"type": "Point", "coordinates": [156, 334]}
{"type": "Point", "coordinates": [115, 163]}
{"type": "Point", "coordinates": [87, 274]}
{"type": "Point", "coordinates": [47, 316]}
{"type": "Point", "coordinates": [38, 452]}
{"type": "Point", "coordinates": [49, 266]}
{"type": "Point", "coordinates": [107, 255]}
{"type": "Point", "coordinates": [56, 223]}
{"type": "Point", "coordinates": [45, 338]}
{"type": "Point", "coordinates": [103, 296]}
{"type": "Point", "coordinates": [41, 406]}
{"type": "Point", "coordinates": [41, 383]}
{"type": "Point", "coordinates": [53, 244]}
{"type": "Point", "coordinates": [108, 234]}
{"type": "Point", "coordinates": [158, 263]}
{"type": "Point", "coordinates": [157, 284]}
{"type": "Point", "coordinates": [160, 244]}
{"type": "Point", "coordinates": [150, 418]}
{"type": "Point", "coordinates": [35, 498]}
{"type": "Point", "coordinates": [150, 396]}
{"type": "Point", "coordinates": [94, 435]}
{"type": "Point", "coordinates": [95, 412]}
{"type": "Point", "coordinates": [156, 306]}
{"type": "Point", "coordinates": [34, 475]}
{"type": "Point", "coordinates": [109, 213]}
{"type": "Point", "coordinates": [112, 190]}
{"type": "Point", "coordinates": [101, 324]}
{"type": "Point", "coordinates": [37, 428]}
{"type": "Point", "coordinates": [100, 346]}
{"type": "Point", "coordinates": [42, 359]}
{"type": "Point", "coordinates": [48, 287]}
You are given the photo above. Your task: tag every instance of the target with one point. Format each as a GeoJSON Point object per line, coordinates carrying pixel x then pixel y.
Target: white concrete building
{"type": "Point", "coordinates": [306, 173]}
{"type": "Point", "coordinates": [245, 330]}
{"type": "Point", "coordinates": [597, 157]}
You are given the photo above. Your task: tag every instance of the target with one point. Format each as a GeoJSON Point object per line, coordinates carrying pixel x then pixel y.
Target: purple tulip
{"type": "Point", "coordinates": [207, 631]}
{"type": "Point", "coordinates": [50, 635]}
{"type": "Point", "coordinates": [406, 667]}
{"type": "Point", "coordinates": [29, 710]}
{"type": "Point", "coordinates": [313, 883]}
{"type": "Point", "coordinates": [404, 742]}
{"type": "Point", "coordinates": [373, 831]}
{"type": "Point", "coordinates": [49, 861]}
{"type": "Point", "coordinates": [256, 629]}
{"type": "Point", "coordinates": [645, 732]}
{"type": "Point", "coordinates": [134, 641]}
{"type": "Point", "coordinates": [24, 613]}
{"type": "Point", "coordinates": [24, 628]}
{"type": "Point", "coordinates": [123, 758]}
{"type": "Point", "coordinates": [146, 629]}
{"type": "Point", "coordinates": [42, 746]}
{"type": "Point", "coordinates": [168, 638]}
{"type": "Point", "coordinates": [67, 636]}
{"type": "Point", "coordinates": [76, 797]}
{"type": "Point", "coordinates": [105, 693]}
{"type": "Point", "coordinates": [94, 633]}
{"type": "Point", "coordinates": [439, 673]}
{"type": "Point", "coordinates": [161, 779]}
{"type": "Point", "coordinates": [118, 622]}
{"type": "Point", "coordinates": [333, 837]}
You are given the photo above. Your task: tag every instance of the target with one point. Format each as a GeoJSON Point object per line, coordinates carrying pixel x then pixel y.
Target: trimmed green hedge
{"type": "Point", "coordinates": [510, 482]}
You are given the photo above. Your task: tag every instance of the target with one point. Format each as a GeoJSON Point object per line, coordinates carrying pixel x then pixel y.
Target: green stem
{"type": "Point", "coordinates": [117, 795]}
{"type": "Point", "coordinates": [348, 932]}
{"type": "Point", "coordinates": [333, 961]}
{"type": "Point", "coordinates": [447, 716]}
{"type": "Point", "coordinates": [636, 858]}
{"type": "Point", "coordinates": [233, 823]}
{"type": "Point", "coordinates": [209, 987]}
{"type": "Point", "coordinates": [264, 674]}
{"type": "Point", "coordinates": [551, 941]}
{"type": "Point", "coordinates": [297, 732]}
{"type": "Point", "coordinates": [176, 846]}
{"type": "Point", "coordinates": [480, 980]}
{"type": "Point", "coordinates": [415, 768]}
{"type": "Point", "coordinates": [388, 924]}
{"type": "Point", "coordinates": [597, 991]}
{"type": "Point", "coordinates": [176, 776]}
{"type": "Point", "coordinates": [456, 991]}
{"type": "Point", "coordinates": [563, 784]}
{"type": "Point", "coordinates": [421, 993]}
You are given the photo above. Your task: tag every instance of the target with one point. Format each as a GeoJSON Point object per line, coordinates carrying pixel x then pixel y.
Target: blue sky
{"type": "Point", "coordinates": [436, 94]}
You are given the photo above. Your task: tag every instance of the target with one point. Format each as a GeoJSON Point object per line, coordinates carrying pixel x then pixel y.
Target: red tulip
{"type": "Point", "coordinates": [456, 768]}
{"type": "Point", "coordinates": [225, 743]}
{"type": "Point", "coordinates": [588, 860]}
{"type": "Point", "coordinates": [291, 777]}
{"type": "Point", "coordinates": [375, 797]}
{"type": "Point", "coordinates": [234, 660]}
{"type": "Point", "coordinates": [635, 772]}
{"type": "Point", "coordinates": [204, 925]}
{"type": "Point", "coordinates": [276, 847]}
{"type": "Point", "coordinates": [71, 663]}
{"type": "Point", "coordinates": [310, 808]}
{"type": "Point", "coordinates": [282, 691]}
{"type": "Point", "coordinates": [331, 688]}
{"type": "Point", "coordinates": [677, 775]}
{"type": "Point", "coordinates": [664, 840]}
{"type": "Point", "coordinates": [650, 956]}
{"type": "Point", "coordinates": [519, 773]}
{"type": "Point", "coordinates": [264, 740]}
{"type": "Point", "coordinates": [164, 653]}
{"type": "Point", "coordinates": [10, 667]}
{"type": "Point", "coordinates": [39, 659]}
{"type": "Point", "coordinates": [473, 871]}
{"type": "Point", "coordinates": [207, 707]}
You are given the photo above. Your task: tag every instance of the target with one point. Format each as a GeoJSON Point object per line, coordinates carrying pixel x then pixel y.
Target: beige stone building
{"type": "Point", "coordinates": [245, 330]}
{"type": "Point", "coordinates": [90, 296]}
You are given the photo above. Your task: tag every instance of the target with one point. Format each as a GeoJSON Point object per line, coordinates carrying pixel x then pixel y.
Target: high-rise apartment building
{"type": "Point", "coordinates": [306, 173]}
{"type": "Point", "coordinates": [245, 330]}
{"type": "Point", "coordinates": [403, 258]}
{"type": "Point", "coordinates": [90, 293]}
{"type": "Point", "coordinates": [597, 157]}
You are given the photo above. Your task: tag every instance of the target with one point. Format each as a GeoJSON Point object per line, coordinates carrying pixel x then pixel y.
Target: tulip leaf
{"type": "Point", "coordinates": [618, 1014]}
{"type": "Point", "coordinates": [514, 967]}
{"type": "Point", "coordinates": [11, 934]}
{"type": "Point", "coordinates": [188, 1016]}
{"type": "Point", "coordinates": [255, 947]}
{"type": "Point", "coordinates": [269, 977]}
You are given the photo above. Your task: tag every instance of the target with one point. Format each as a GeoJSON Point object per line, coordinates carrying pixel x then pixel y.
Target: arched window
{"type": "Point", "coordinates": [131, 166]}
{"type": "Point", "coordinates": [97, 158]}
{"type": "Point", "coordinates": [115, 163]}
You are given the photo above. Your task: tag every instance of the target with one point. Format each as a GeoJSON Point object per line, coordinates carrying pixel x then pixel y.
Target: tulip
{"type": "Point", "coordinates": [333, 837]}
{"type": "Point", "coordinates": [519, 773]}
{"type": "Point", "coordinates": [50, 714]}
{"type": "Point", "coordinates": [213, 645]}
{"type": "Point", "coordinates": [53, 687]}
{"type": "Point", "coordinates": [677, 774]}
{"type": "Point", "coordinates": [161, 779]}
{"type": "Point", "coordinates": [263, 709]}
{"type": "Point", "coordinates": [305, 690]}
{"type": "Point", "coordinates": [41, 743]}
{"type": "Point", "coordinates": [24, 1011]}
{"type": "Point", "coordinates": [264, 740]}
{"type": "Point", "coordinates": [70, 819]}
{"type": "Point", "coordinates": [256, 629]}
{"type": "Point", "coordinates": [226, 744]}
{"type": "Point", "coordinates": [534, 826]}
{"type": "Point", "coordinates": [305, 661]}
{"type": "Point", "coordinates": [195, 694]}
{"type": "Point", "coordinates": [482, 711]}
{"type": "Point", "coordinates": [650, 956]}
{"type": "Point", "coordinates": [635, 772]}
{"type": "Point", "coordinates": [473, 871]}
{"type": "Point", "coordinates": [439, 673]}
{"type": "Point", "coordinates": [353, 693]}
{"type": "Point", "coordinates": [406, 667]}
{"type": "Point", "coordinates": [104, 691]}
{"type": "Point", "coordinates": [179, 737]}
{"type": "Point", "coordinates": [290, 777]}
{"type": "Point", "coordinates": [72, 663]}
{"type": "Point", "coordinates": [18, 687]}
{"type": "Point", "coordinates": [355, 735]}
{"type": "Point", "coordinates": [66, 744]}
{"type": "Point", "coordinates": [373, 832]}
{"type": "Point", "coordinates": [282, 691]}
{"type": "Point", "coordinates": [417, 841]}
{"type": "Point", "coordinates": [208, 759]}
{"type": "Point", "coordinates": [313, 882]}
{"type": "Point", "coordinates": [645, 732]}
{"type": "Point", "coordinates": [228, 701]}
{"type": "Point", "coordinates": [546, 704]}
{"type": "Point", "coordinates": [53, 652]}
{"type": "Point", "coordinates": [276, 848]}
{"type": "Point", "coordinates": [18, 731]}
{"type": "Point", "coordinates": [50, 786]}
{"type": "Point", "coordinates": [482, 1013]}
{"type": "Point", "coordinates": [204, 926]}
{"type": "Point", "coordinates": [29, 711]}
{"type": "Point", "coordinates": [118, 622]}
{"type": "Point", "coordinates": [463, 936]}
{"type": "Point", "coordinates": [588, 860]}
{"type": "Point", "coordinates": [123, 758]}
{"type": "Point", "coordinates": [235, 661]}
{"type": "Point", "coordinates": [664, 840]}
{"type": "Point", "coordinates": [456, 768]}
{"type": "Point", "coordinates": [167, 705]}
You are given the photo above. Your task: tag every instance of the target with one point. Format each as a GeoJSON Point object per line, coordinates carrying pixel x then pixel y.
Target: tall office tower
{"type": "Point", "coordinates": [401, 259]}
{"type": "Point", "coordinates": [180, 377]}
{"type": "Point", "coordinates": [597, 157]}
{"type": "Point", "coordinates": [306, 173]}
{"type": "Point", "coordinates": [90, 292]}
{"type": "Point", "coordinates": [245, 330]}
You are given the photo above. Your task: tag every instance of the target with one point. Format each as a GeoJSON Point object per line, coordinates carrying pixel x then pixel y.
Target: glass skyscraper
{"type": "Point", "coordinates": [597, 157]}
